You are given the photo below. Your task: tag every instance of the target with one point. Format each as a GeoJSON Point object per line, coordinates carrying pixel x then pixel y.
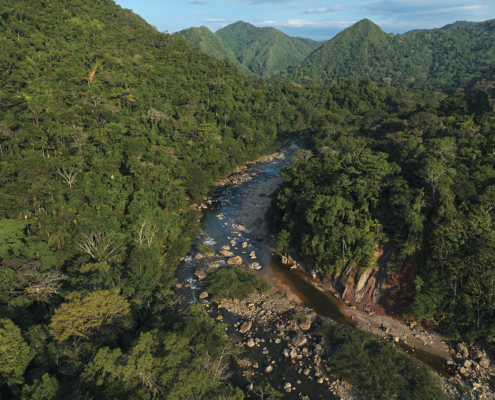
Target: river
{"type": "Point", "coordinates": [218, 228]}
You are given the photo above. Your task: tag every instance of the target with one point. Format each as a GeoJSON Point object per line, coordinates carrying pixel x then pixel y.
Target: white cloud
{"type": "Point", "coordinates": [304, 23]}
{"type": "Point", "coordinates": [321, 10]}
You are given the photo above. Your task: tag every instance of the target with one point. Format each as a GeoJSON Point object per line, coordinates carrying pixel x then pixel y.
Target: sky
{"type": "Point", "coordinates": [314, 19]}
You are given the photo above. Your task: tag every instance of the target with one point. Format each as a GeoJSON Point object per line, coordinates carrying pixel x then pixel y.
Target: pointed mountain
{"type": "Point", "coordinates": [457, 56]}
{"type": "Point", "coordinates": [265, 51]}
{"type": "Point", "coordinates": [211, 44]}
{"type": "Point", "coordinates": [352, 53]}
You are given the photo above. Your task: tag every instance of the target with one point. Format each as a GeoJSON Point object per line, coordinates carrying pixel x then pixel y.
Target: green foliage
{"type": "Point", "coordinates": [265, 51]}
{"type": "Point", "coordinates": [234, 283]}
{"type": "Point", "coordinates": [15, 354]}
{"type": "Point", "coordinates": [443, 59]}
{"type": "Point", "coordinates": [189, 362]}
{"type": "Point", "coordinates": [205, 249]}
{"type": "Point", "coordinates": [377, 369]}
{"type": "Point", "coordinates": [421, 181]}
{"type": "Point", "coordinates": [211, 44]}
{"type": "Point", "coordinates": [301, 316]}
{"type": "Point", "coordinates": [102, 313]}
{"type": "Point", "coordinates": [44, 389]}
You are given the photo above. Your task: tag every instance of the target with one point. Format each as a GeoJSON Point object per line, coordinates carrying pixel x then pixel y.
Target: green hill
{"type": "Point", "coordinates": [265, 51]}
{"type": "Point", "coordinates": [449, 59]}
{"type": "Point", "coordinates": [211, 44]}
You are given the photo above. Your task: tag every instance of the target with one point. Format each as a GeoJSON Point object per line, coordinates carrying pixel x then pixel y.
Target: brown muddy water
{"type": "Point", "coordinates": [297, 285]}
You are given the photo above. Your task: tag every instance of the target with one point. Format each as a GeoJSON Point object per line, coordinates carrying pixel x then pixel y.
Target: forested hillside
{"type": "Point", "coordinates": [265, 51]}
{"type": "Point", "coordinates": [211, 44]}
{"type": "Point", "coordinates": [109, 129]}
{"type": "Point", "coordinates": [446, 60]}
{"type": "Point", "coordinates": [416, 176]}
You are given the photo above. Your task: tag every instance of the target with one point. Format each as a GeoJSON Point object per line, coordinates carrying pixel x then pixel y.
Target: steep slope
{"type": "Point", "coordinates": [211, 44]}
{"type": "Point", "coordinates": [449, 59]}
{"type": "Point", "coordinates": [240, 35]}
{"type": "Point", "coordinates": [265, 51]}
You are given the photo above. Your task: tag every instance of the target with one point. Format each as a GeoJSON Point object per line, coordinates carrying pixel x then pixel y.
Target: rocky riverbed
{"type": "Point", "coordinates": [265, 324]}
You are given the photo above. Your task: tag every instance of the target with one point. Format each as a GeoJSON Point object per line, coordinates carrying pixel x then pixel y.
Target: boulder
{"type": "Point", "coordinates": [306, 371]}
{"type": "Point", "coordinates": [235, 261]}
{"type": "Point", "coordinates": [225, 247]}
{"type": "Point", "coordinates": [269, 369]}
{"type": "Point", "coordinates": [484, 362]}
{"type": "Point", "coordinates": [249, 387]}
{"type": "Point", "coordinates": [293, 147]}
{"type": "Point", "coordinates": [287, 385]}
{"type": "Point", "coordinates": [244, 245]}
{"type": "Point", "coordinates": [305, 326]}
{"type": "Point", "coordinates": [467, 364]}
{"type": "Point", "coordinates": [475, 354]}
{"type": "Point", "coordinates": [246, 326]}
{"type": "Point", "coordinates": [463, 351]}
{"type": "Point", "coordinates": [226, 253]}
{"type": "Point", "coordinates": [203, 295]}
{"type": "Point", "coordinates": [286, 352]}
{"type": "Point", "coordinates": [250, 342]}
{"type": "Point", "coordinates": [299, 340]}
{"type": "Point", "coordinates": [293, 353]}
{"type": "Point", "coordinates": [199, 256]}
{"type": "Point", "coordinates": [255, 365]}
{"type": "Point", "coordinates": [200, 273]}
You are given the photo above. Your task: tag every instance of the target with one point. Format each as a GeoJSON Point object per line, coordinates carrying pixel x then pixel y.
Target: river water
{"type": "Point", "coordinates": [218, 232]}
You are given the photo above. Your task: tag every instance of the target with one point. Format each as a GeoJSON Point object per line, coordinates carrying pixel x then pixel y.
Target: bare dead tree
{"type": "Point", "coordinates": [146, 232]}
{"type": "Point", "coordinates": [68, 176]}
{"type": "Point", "coordinates": [99, 246]}
{"type": "Point", "coordinates": [50, 284]}
{"type": "Point", "coordinates": [79, 138]}
{"type": "Point", "coordinates": [218, 368]}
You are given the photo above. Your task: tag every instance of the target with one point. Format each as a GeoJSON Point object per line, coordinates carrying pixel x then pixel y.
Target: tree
{"type": "Point", "coordinates": [86, 315]}
{"type": "Point", "coordinates": [44, 389]}
{"type": "Point", "coordinates": [15, 354]}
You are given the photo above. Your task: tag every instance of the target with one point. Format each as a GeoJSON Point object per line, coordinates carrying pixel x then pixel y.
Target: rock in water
{"type": "Point", "coordinates": [199, 256]}
{"type": "Point", "coordinates": [203, 295]}
{"type": "Point", "coordinates": [293, 147]}
{"type": "Point", "coordinates": [226, 253]}
{"type": "Point", "coordinates": [244, 245]}
{"type": "Point", "coordinates": [299, 340]}
{"type": "Point", "coordinates": [235, 261]}
{"type": "Point", "coordinates": [246, 326]}
{"type": "Point", "coordinates": [200, 273]}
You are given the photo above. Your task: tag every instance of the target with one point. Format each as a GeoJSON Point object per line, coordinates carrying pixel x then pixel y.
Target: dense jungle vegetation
{"type": "Point", "coordinates": [421, 178]}
{"type": "Point", "coordinates": [443, 59]}
{"type": "Point", "coordinates": [110, 130]}
{"type": "Point", "coordinates": [263, 51]}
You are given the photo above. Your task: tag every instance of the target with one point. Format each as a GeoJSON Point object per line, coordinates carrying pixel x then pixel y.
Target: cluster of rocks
{"type": "Point", "coordinates": [251, 170]}
{"type": "Point", "coordinates": [474, 372]}
{"type": "Point", "coordinates": [290, 342]}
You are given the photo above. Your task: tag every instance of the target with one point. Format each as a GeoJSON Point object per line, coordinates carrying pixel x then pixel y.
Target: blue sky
{"type": "Point", "coordinates": [315, 19]}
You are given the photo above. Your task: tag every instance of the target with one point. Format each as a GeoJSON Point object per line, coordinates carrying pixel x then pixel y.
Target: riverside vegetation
{"type": "Point", "coordinates": [110, 129]}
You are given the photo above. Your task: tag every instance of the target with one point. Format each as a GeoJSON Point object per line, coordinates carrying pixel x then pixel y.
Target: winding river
{"type": "Point", "coordinates": [218, 228]}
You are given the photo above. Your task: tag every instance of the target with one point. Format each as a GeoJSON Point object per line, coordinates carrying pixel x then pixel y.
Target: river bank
{"type": "Point", "coordinates": [235, 215]}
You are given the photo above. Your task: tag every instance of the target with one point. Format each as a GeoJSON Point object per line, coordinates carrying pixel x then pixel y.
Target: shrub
{"type": "Point", "coordinates": [205, 249]}
{"type": "Point", "coordinates": [235, 284]}
{"type": "Point", "coordinates": [379, 370]}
